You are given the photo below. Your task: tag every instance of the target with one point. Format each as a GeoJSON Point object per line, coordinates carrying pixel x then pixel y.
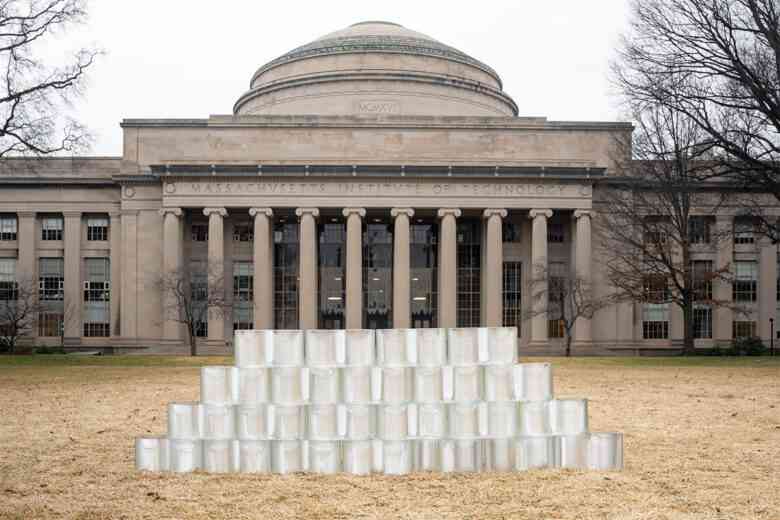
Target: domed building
{"type": "Point", "coordinates": [372, 178]}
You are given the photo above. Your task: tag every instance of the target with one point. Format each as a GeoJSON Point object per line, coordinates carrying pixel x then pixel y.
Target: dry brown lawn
{"type": "Point", "coordinates": [702, 442]}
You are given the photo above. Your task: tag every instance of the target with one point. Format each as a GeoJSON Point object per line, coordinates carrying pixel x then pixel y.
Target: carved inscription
{"type": "Point", "coordinates": [378, 107]}
{"type": "Point", "coordinates": [383, 189]}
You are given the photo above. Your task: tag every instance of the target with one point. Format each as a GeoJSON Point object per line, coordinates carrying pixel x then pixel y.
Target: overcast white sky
{"type": "Point", "coordinates": [193, 58]}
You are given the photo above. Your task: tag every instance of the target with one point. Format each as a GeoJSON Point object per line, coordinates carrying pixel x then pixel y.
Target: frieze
{"type": "Point", "coordinates": [379, 189]}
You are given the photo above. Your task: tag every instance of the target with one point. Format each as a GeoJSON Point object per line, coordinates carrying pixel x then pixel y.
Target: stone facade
{"type": "Point", "coordinates": [374, 178]}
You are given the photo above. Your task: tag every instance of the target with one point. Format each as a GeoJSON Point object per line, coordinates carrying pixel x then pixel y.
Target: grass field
{"type": "Point", "coordinates": [702, 441]}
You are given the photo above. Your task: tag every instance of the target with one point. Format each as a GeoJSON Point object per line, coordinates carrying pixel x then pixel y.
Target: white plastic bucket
{"type": "Point", "coordinates": [253, 385]}
{"type": "Point", "coordinates": [397, 385]}
{"type": "Point", "coordinates": [286, 456]}
{"type": "Point", "coordinates": [393, 421]}
{"type": "Point", "coordinates": [357, 457]}
{"type": "Point", "coordinates": [498, 383]}
{"type": "Point", "coordinates": [360, 421]}
{"type": "Point", "coordinates": [533, 382]}
{"type": "Point", "coordinates": [463, 420]}
{"type": "Point", "coordinates": [428, 386]}
{"type": "Point", "coordinates": [287, 385]}
{"type": "Point", "coordinates": [533, 418]}
{"type": "Point", "coordinates": [287, 422]}
{"type": "Point", "coordinates": [325, 348]}
{"type": "Point", "coordinates": [360, 348]}
{"type": "Point", "coordinates": [500, 454]}
{"type": "Point", "coordinates": [431, 347]}
{"type": "Point", "coordinates": [151, 453]}
{"type": "Point", "coordinates": [184, 421]}
{"type": "Point", "coordinates": [251, 422]}
{"type": "Point", "coordinates": [356, 384]}
{"type": "Point", "coordinates": [571, 451]}
{"type": "Point", "coordinates": [502, 419]}
{"type": "Point", "coordinates": [218, 385]}
{"type": "Point", "coordinates": [218, 422]}
{"type": "Point", "coordinates": [469, 455]}
{"type": "Point", "coordinates": [324, 457]}
{"type": "Point", "coordinates": [288, 348]}
{"type": "Point", "coordinates": [501, 346]}
{"type": "Point", "coordinates": [218, 456]}
{"type": "Point", "coordinates": [568, 416]}
{"type": "Point", "coordinates": [536, 451]}
{"type": "Point", "coordinates": [253, 348]}
{"type": "Point", "coordinates": [396, 347]}
{"type": "Point", "coordinates": [605, 451]}
{"type": "Point", "coordinates": [322, 423]}
{"type": "Point", "coordinates": [427, 455]}
{"type": "Point", "coordinates": [324, 385]}
{"type": "Point", "coordinates": [254, 456]}
{"type": "Point", "coordinates": [467, 383]}
{"type": "Point", "coordinates": [431, 420]}
{"type": "Point", "coordinates": [185, 455]}
{"type": "Point", "coordinates": [463, 346]}
{"type": "Point", "coordinates": [397, 457]}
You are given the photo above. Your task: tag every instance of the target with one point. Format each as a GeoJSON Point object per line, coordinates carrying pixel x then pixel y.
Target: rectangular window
{"type": "Point", "coordinates": [513, 281]}
{"type": "Point", "coordinates": [510, 232]}
{"type": "Point", "coordinates": [243, 232]}
{"type": "Point", "coordinates": [699, 229]}
{"type": "Point", "coordinates": [469, 234]}
{"type": "Point", "coordinates": [655, 321]}
{"type": "Point", "coordinates": [285, 275]}
{"type": "Point", "coordinates": [7, 227]}
{"type": "Point", "coordinates": [199, 287]}
{"type": "Point", "coordinates": [744, 230]}
{"type": "Point", "coordinates": [702, 280]}
{"type": "Point", "coordinates": [743, 329]}
{"type": "Point", "coordinates": [702, 322]}
{"type": "Point", "coordinates": [655, 232]}
{"type": "Point", "coordinates": [97, 297]}
{"type": "Point", "coordinates": [51, 228]}
{"type": "Point", "coordinates": [9, 288]}
{"type": "Point", "coordinates": [201, 329]}
{"type": "Point", "coordinates": [556, 329]}
{"type": "Point", "coordinates": [243, 295]}
{"type": "Point", "coordinates": [555, 233]}
{"type": "Point", "coordinates": [745, 287]}
{"type": "Point", "coordinates": [51, 278]}
{"type": "Point", "coordinates": [50, 324]}
{"type": "Point", "coordinates": [97, 229]}
{"type": "Point", "coordinates": [200, 232]}
{"type": "Point", "coordinates": [656, 289]}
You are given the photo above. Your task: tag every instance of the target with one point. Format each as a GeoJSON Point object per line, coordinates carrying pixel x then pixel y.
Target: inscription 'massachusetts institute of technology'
{"type": "Point", "coordinates": [421, 189]}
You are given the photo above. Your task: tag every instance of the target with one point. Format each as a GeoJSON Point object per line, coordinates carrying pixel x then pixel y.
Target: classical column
{"type": "Point", "coordinates": [172, 269]}
{"type": "Point", "coordinates": [493, 267]}
{"type": "Point", "coordinates": [72, 305]}
{"type": "Point", "coordinates": [354, 285]}
{"type": "Point", "coordinates": [263, 268]}
{"type": "Point", "coordinates": [129, 291]}
{"type": "Point", "coordinates": [448, 267]}
{"type": "Point", "coordinates": [307, 269]}
{"type": "Point", "coordinates": [402, 312]}
{"type": "Point", "coordinates": [723, 315]}
{"type": "Point", "coordinates": [583, 270]}
{"type": "Point", "coordinates": [216, 271]}
{"type": "Point", "coordinates": [115, 243]}
{"type": "Point", "coordinates": [767, 283]}
{"type": "Point", "coordinates": [539, 273]}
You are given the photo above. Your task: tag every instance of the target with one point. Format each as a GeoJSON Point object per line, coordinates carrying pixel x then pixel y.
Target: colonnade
{"type": "Point", "coordinates": [492, 259]}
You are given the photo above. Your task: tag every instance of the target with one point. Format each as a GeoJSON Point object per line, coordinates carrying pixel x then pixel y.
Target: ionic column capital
{"type": "Point", "coordinates": [361, 212]}
{"type": "Point", "coordinates": [583, 213]}
{"type": "Point", "coordinates": [177, 212]}
{"type": "Point", "coordinates": [443, 212]}
{"type": "Point", "coordinates": [268, 212]}
{"type": "Point", "coordinates": [546, 213]}
{"type": "Point", "coordinates": [222, 212]}
{"type": "Point", "coordinates": [409, 212]}
{"type": "Point", "coordinates": [495, 213]}
{"type": "Point", "coordinates": [314, 212]}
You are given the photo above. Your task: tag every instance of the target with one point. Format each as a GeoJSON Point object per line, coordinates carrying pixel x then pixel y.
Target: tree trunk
{"type": "Point", "coordinates": [568, 343]}
{"type": "Point", "coordinates": [193, 346]}
{"type": "Point", "coordinates": [688, 343]}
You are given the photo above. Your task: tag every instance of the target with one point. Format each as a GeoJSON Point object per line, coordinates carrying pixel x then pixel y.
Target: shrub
{"type": "Point", "coordinates": [747, 347]}
{"type": "Point", "coordinates": [49, 350]}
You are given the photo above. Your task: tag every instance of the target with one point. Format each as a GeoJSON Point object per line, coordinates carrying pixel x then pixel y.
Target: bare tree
{"type": "Point", "coordinates": [19, 308]}
{"type": "Point", "coordinates": [565, 298]}
{"type": "Point", "coordinates": [657, 210]}
{"type": "Point", "coordinates": [34, 91]}
{"type": "Point", "coordinates": [717, 63]}
{"type": "Point", "coordinates": [189, 299]}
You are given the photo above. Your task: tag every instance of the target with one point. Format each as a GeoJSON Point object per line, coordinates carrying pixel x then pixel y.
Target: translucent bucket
{"type": "Point", "coordinates": [324, 457]}
{"type": "Point", "coordinates": [325, 348]}
{"type": "Point", "coordinates": [184, 421]}
{"type": "Point", "coordinates": [396, 347]}
{"type": "Point", "coordinates": [397, 457]}
{"type": "Point", "coordinates": [218, 456]}
{"type": "Point", "coordinates": [287, 385]}
{"type": "Point", "coordinates": [287, 422]}
{"type": "Point", "coordinates": [532, 452]}
{"type": "Point", "coordinates": [288, 348]}
{"type": "Point", "coordinates": [533, 382]}
{"type": "Point", "coordinates": [219, 423]}
{"type": "Point", "coordinates": [397, 385]}
{"type": "Point", "coordinates": [325, 385]}
{"type": "Point", "coordinates": [185, 455]}
{"type": "Point", "coordinates": [428, 387]}
{"type": "Point", "coordinates": [427, 455]}
{"type": "Point", "coordinates": [251, 421]}
{"type": "Point", "coordinates": [254, 456]}
{"type": "Point", "coordinates": [463, 346]}
{"type": "Point", "coordinates": [501, 346]}
{"type": "Point", "coordinates": [218, 385]}
{"type": "Point", "coordinates": [500, 454]}
{"type": "Point", "coordinates": [356, 384]}
{"type": "Point", "coordinates": [431, 347]}
{"type": "Point", "coordinates": [571, 451]}
{"type": "Point", "coordinates": [499, 384]}
{"type": "Point", "coordinates": [253, 385]}
{"type": "Point", "coordinates": [360, 348]}
{"type": "Point", "coordinates": [463, 420]}
{"type": "Point", "coordinates": [393, 421]}
{"type": "Point", "coordinates": [568, 416]}
{"type": "Point", "coordinates": [357, 457]}
{"type": "Point", "coordinates": [286, 456]}
{"type": "Point", "coordinates": [502, 419]}
{"type": "Point", "coordinates": [151, 453]}
{"type": "Point", "coordinates": [253, 348]}
{"type": "Point", "coordinates": [360, 421]}
{"type": "Point", "coordinates": [322, 421]}
{"type": "Point", "coordinates": [533, 418]}
{"type": "Point", "coordinates": [431, 420]}
{"type": "Point", "coordinates": [469, 455]}
{"type": "Point", "coordinates": [466, 383]}
{"type": "Point", "coordinates": [605, 451]}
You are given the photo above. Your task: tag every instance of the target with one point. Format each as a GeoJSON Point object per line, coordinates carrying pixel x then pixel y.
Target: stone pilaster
{"type": "Point", "coordinates": [767, 283]}
{"type": "Point", "coordinates": [448, 267]}
{"type": "Point", "coordinates": [263, 268]}
{"type": "Point", "coordinates": [402, 312]}
{"type": "Point", "coordinates": [539, 273]}
{"type": "Point", "coordinates": [129, 290]}
{"type": "Point", "coordinates": [583, 269]}
{"type": "Point", "coordinates": [72, 304]}
{"type": "Point", "coordinates": [115, 244]}
{"type": "Point", "coordinates": [172, 268]}
{"type": "Point", "coordinates": [723, 315]}
{"type": "Point", "coordinates": [493, 267]}
{"type": "Point", "coordinates": [216, 272]}
{"type": "Point", "coordinates": [27, 261]}
{"type": "Point", "coordinates": [307, 271]}
{"type": "Point", "coordinates": [354, 285]}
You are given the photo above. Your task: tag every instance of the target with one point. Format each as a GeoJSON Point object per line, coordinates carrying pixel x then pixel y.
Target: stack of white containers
{"type": "Point", "coordinates": [387, 401]}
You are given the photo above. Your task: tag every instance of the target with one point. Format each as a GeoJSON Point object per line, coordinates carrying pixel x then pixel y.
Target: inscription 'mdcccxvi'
{"type": "Point", "coordinates": [386, 189]}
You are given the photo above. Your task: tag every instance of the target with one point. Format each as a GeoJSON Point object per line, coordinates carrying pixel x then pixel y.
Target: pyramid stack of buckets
{"type": "Point", "coordinates": [387, 401]}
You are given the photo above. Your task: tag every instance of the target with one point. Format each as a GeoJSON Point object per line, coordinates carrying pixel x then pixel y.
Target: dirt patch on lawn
{"type": "Point", "coordinates": [700, 443]}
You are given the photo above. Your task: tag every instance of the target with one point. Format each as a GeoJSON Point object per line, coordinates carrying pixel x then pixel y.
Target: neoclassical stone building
{"type": "Point", "coordinates": [372, 178]}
